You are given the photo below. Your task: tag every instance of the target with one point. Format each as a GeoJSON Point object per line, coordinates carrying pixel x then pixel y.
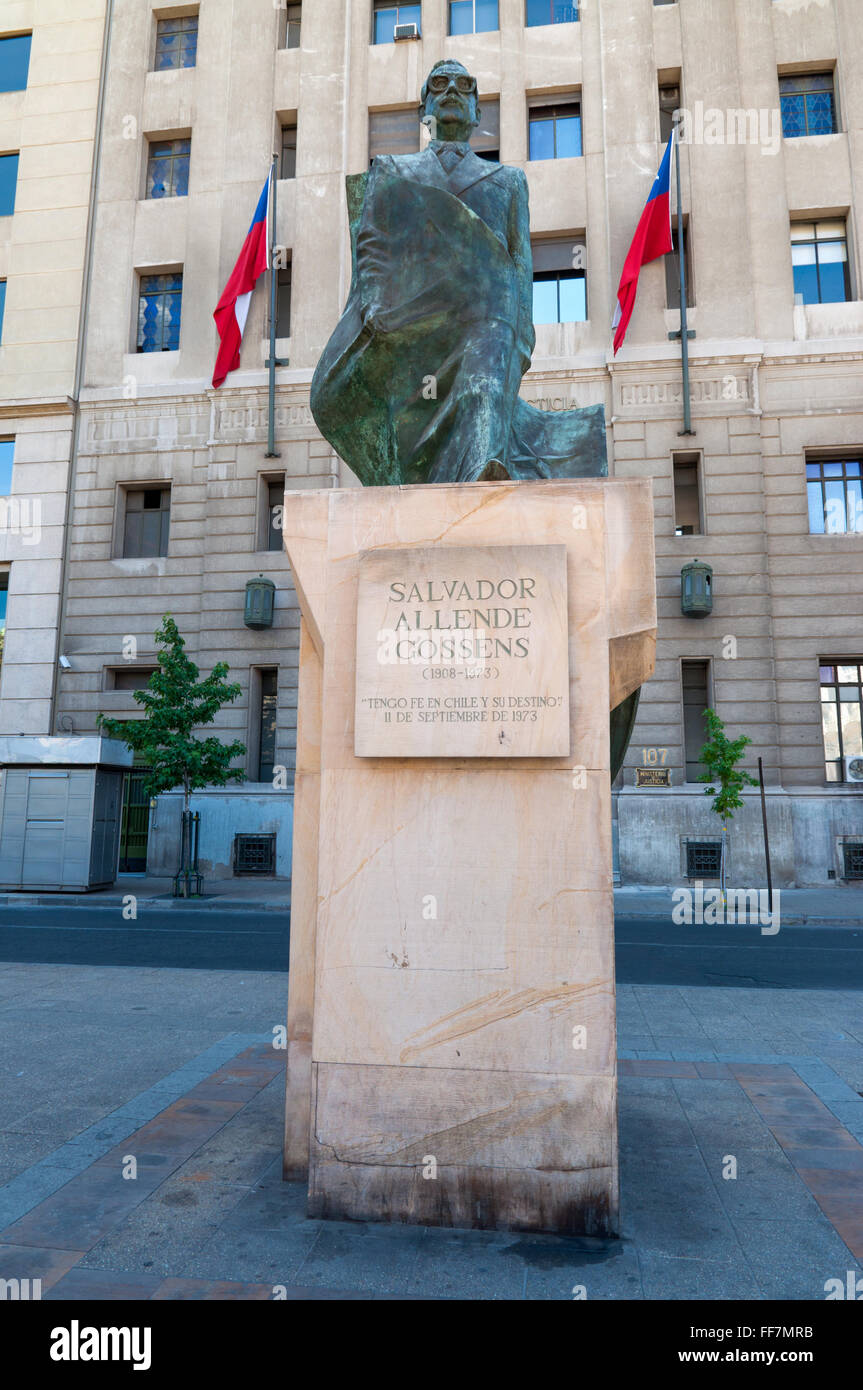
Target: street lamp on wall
{"type": "Point", "coordinates": [696, 589]}
{"type": "Point", "coordinates": [260, 602]}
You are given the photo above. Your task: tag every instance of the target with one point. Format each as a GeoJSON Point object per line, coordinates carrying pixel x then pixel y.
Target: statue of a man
{"type": "Point", "coordinates": [420, 379]}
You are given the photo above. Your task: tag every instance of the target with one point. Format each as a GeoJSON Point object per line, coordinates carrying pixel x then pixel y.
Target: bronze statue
{"type": "Point", "coordinates": [419, 382]}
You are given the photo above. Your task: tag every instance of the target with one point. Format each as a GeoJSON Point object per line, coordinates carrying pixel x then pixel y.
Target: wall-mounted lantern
{"type": "Point", "coordinates": [696, 589]}
{"type": "Point", "coordinates": [260, 601]}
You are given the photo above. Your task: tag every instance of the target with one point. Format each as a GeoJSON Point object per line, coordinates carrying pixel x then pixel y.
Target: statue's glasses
{"type": "Point", "coordinates": [440, 81]}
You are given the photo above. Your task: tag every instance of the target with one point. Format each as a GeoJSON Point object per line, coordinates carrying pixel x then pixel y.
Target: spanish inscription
{"type": "Point", "coordinates": [463, 652]}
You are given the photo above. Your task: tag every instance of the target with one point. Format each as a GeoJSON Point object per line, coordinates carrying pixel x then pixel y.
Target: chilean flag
{"type": "Point", "coordinates": [232, 309]}
{"type": "Point", "coordinates": [652, 239]}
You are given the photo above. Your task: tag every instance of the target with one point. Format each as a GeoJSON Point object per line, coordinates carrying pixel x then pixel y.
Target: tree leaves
{"type": "Point", "coordinates": [175, 704]}
{"type": "Point", "coordinates": [721, 756]}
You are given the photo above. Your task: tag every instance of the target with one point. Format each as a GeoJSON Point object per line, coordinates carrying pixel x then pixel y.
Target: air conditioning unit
{"type": "Point", "coordinates": [406, 31]}
{"type": "Point", "coordinates": [853, 767]}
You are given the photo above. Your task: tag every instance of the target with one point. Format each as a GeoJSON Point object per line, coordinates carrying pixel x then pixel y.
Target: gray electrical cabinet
{"type": "Point", "coordinates": [61, 801]}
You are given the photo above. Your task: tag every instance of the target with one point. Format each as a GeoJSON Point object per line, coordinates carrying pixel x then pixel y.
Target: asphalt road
{"type": "Point", "coordinates": [649, 951]}
{"type": "Point", "coordinates": [188, 936]}
{"type": "Point", "coordinates": [657, 952]}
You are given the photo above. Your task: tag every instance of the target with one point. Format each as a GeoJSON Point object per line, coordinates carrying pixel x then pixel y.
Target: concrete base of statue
{"type": "Point", "coordinates": [451, 1014]}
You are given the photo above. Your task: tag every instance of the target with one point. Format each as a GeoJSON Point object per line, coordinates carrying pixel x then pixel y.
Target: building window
{"type": "Point", "coordinates": [129, 677]}
{"type": "Point", "coordinates": [808, 105]}
{"type": "Point", "coordinates": [168, 168]}
{"type": "Point", "coordinates": [4, 602]}
{"type": "Point", "coordinates": [672, 270]}
{"type": "Point", "coordinates": [14, 62]}
{"type": "Point", "coordinates": [288, 165]}
{"type": "Point", "coordinates": [559, 283]}
{"type": "Point", "coordinates": [472, 16]}
{"type": "Point", "coordinates": [841, 704]}
{"type": "Point", "coordinates": [176, 42]}
{"type": "Point", "coordinates": [268, 699]}
{"type": "Point", "coordinates": [8, 183]}
{"type": "Point", "coordinates": [695, 683]}
{"type": "Point", "coordinates": [160, 304]}
{"type": "Point", "coordinates": [394, 132]}
{"type": "Point", "coordinates": [550, 12]}
{"type": "Point", "coordinates": [274, 514]}
{"type": "Point", "coordinates": [7, 462]}
{"type": "Point", "coordinates": [819, 255]}
{"type": "Point", "coordinates": [289, 30]}
{"type": "Point", "coordinates": [398, 132]}
{"type": "Point", "coordinates": [834, 495]}
{"type": "Point", "coordinates": [669, 102]}
{"type": "Point", "coordinates": [387, 17]}
{"type": "Point", "coordinates": [2, 306]}
{"type": "Point", "coordinates": [283, 302]}
{"type": "Point", "coordinates": [146, 521]}
{"type": "Point", "coordinates": [485, 138]}
{"type": "Point", "coordinates": [554, 132]}
{"type": "Point", "coordinates": [687, 495]}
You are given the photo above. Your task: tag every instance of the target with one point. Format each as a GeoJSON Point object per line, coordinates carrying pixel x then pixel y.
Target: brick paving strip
{"type": "Point", "coordinates": [49, 1239]}
{"type": "Point", "coordinates": [51, 1233]}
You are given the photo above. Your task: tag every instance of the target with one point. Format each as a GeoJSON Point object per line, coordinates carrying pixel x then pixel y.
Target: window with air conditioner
{"type": "Point", "coordinates": [392, 22]}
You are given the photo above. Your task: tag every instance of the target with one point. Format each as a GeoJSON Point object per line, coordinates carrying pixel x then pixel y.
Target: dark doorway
{"type": "Point", "coordinates": [134, 823]}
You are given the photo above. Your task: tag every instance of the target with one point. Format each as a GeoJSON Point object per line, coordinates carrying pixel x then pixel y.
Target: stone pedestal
{"type": "Point", "coordinates": [451, 1020]}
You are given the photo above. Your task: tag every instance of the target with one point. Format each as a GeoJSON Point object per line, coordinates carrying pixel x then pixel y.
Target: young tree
{"type": "Point", "coordinates": [721, 755]}
{"type": "Point", "coordinates": [176, 703]}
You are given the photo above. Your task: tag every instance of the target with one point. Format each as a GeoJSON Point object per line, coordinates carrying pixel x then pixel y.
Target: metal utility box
{"type": "Point", "coordinates": [60, 806]}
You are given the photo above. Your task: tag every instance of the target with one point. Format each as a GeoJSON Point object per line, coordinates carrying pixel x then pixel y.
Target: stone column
{"type": "Point", "coordinates": [462, 1063]}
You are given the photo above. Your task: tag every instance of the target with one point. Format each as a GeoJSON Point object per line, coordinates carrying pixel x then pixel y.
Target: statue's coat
{"type": "Point", "coordinates": [431, 393]}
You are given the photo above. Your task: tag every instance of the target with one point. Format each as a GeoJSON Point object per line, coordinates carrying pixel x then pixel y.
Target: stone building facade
{"type": "Point", "coordinates": [50, 64]}
{"type": "Point", "coordinates": [195, 99]}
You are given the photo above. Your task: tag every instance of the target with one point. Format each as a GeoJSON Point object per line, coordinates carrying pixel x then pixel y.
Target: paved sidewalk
{"type": "Point", "coordinates": [178, 1070]}
{"type": "Point", "coordinates": [257, 894]}
{"type": "Point", "coordinates": [799, 906]}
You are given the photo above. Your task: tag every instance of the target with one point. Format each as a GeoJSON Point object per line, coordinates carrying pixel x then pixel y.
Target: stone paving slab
{"type": "Point", "coordinates": [208, 1217]}
{"type": "Point", "coordinates": [682, 1225]}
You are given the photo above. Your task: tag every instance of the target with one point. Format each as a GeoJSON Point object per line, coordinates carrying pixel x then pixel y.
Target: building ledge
{"type": "Point", "coordinates": [36, 405]}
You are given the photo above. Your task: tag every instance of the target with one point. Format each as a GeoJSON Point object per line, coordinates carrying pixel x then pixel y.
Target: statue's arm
{"type": "Point", "coordinates": [519, 249]}
{"type": "Point", "coordinates": [372, 253]}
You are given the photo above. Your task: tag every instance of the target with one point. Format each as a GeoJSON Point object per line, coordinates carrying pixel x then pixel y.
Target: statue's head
{"type": "Point", "coordinates": [449, 101]}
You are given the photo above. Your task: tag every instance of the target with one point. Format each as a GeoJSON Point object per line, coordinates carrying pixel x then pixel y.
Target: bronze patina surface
{"type": "Point", "coordinates": [419, 382]}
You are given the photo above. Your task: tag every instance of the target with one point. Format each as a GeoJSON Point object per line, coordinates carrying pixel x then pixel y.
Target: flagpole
{"type": "Point", "coordinates": [684, 330]}
{"type": "Point", "coordinates": [272, 362]}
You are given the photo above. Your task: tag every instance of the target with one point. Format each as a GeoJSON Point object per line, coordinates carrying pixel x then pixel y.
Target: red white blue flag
{"type": "Point", "coordinates": [232, 309]}
{"type": "Point", "coordinates": [652, 239]}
